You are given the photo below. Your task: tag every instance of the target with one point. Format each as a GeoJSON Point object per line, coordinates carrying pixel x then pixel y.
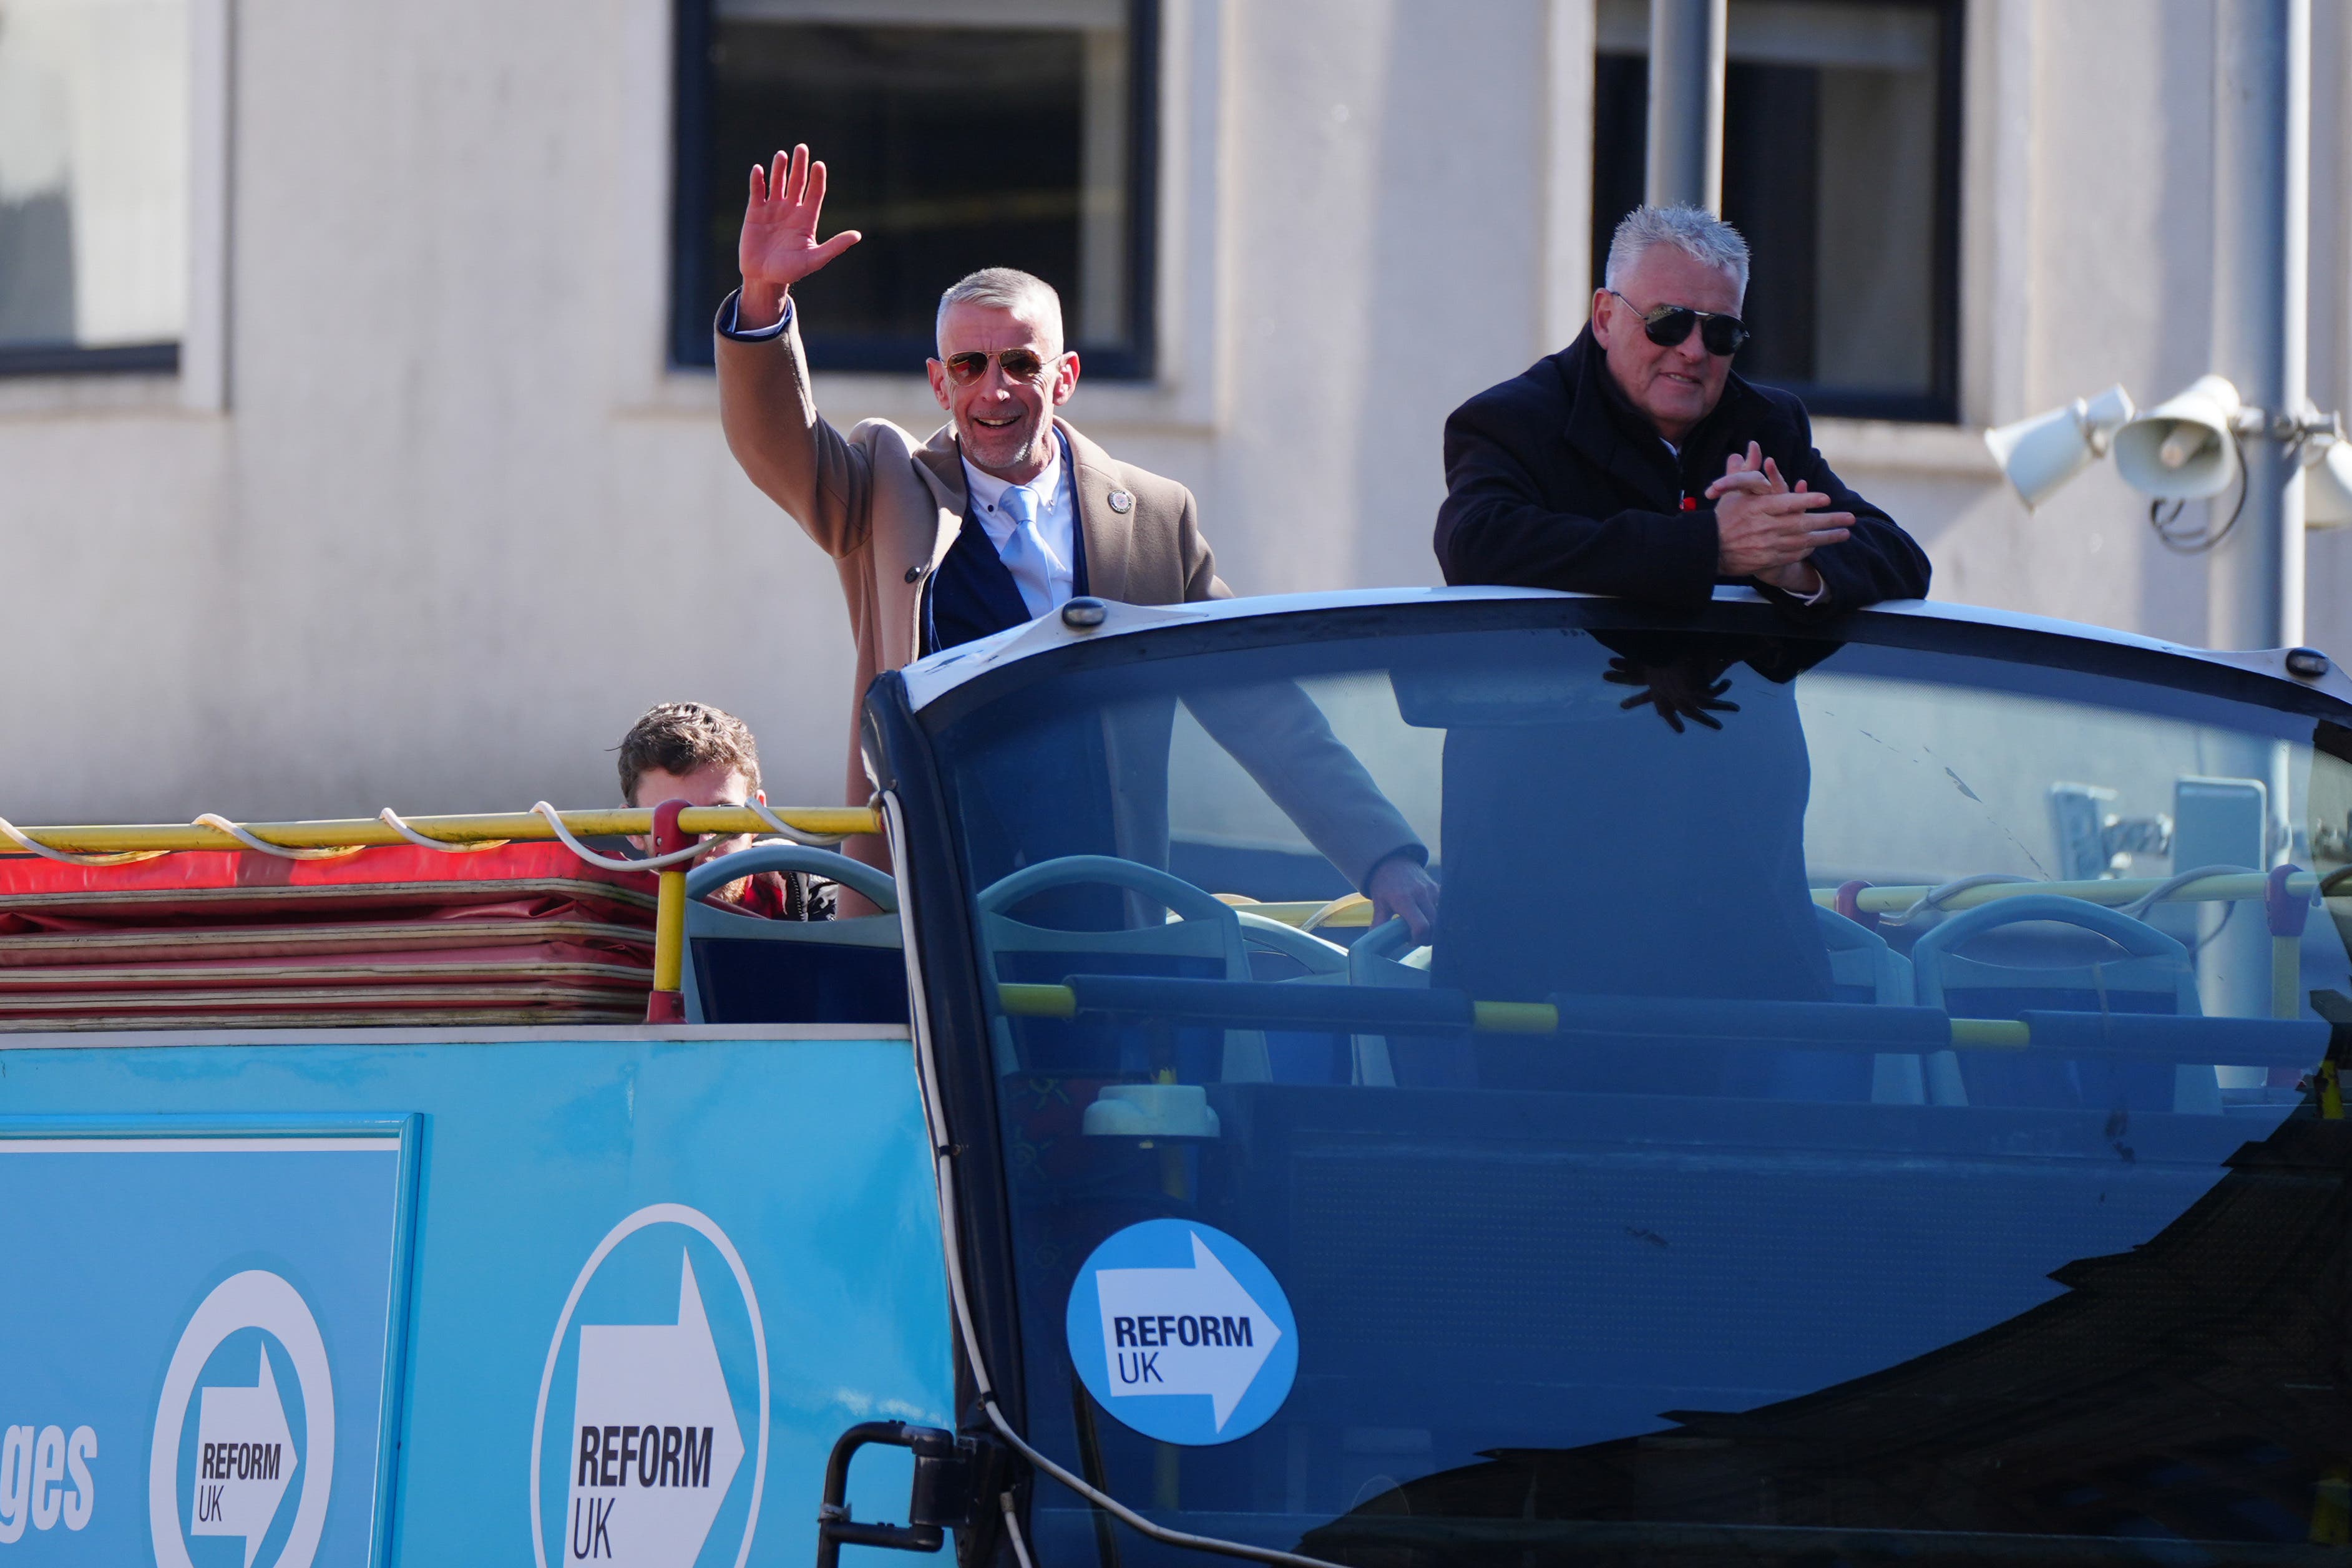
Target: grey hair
{"type": "Point", "coordinates": [1006, 288]}
{"type": "Point", "coordinates": [1696, 232]}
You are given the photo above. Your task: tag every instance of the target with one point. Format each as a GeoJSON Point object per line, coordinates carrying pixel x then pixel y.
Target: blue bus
{"type": "Point", "coordinates": [1870, 1094]}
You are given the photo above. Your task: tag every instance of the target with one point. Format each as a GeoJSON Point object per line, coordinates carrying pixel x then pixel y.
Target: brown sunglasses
{"type": "Point", "coordinates": [1019, 365]}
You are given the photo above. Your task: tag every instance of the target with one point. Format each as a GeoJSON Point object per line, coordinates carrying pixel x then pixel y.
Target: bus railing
{"type": "Point", "coordinates": [677, 832]}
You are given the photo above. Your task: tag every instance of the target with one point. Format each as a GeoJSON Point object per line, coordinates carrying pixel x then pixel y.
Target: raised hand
{"type": "Point", "coordinates": [1765, 529]}
{"type": "Point", "coordinates": [779, 246]}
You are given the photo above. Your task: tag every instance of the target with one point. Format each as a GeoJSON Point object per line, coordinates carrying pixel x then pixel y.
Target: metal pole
{"type": "Point", "coordinates": [1686, 55]}
{"type": "Point", "coordinates": [2261, 221]}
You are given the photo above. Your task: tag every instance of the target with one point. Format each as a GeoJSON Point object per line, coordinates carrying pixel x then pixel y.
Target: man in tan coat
{"type": "Point", "coordinates": [1053, 510]}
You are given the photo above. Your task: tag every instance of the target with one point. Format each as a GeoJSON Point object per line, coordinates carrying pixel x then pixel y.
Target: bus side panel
{"type": "Point", "coordinates": [594, 1246]}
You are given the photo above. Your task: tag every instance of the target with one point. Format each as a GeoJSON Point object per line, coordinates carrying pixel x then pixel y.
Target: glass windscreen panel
{"type": "Point", "coordinates": [1828, 1119]}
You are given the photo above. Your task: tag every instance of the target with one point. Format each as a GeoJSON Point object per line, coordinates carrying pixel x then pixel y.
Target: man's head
{"type": "Point", "coordinates": [1662, 258]}
{"type": "Point", "coordinates": [1004, 414]}
{"type": "Point", "coordinates": [691, 752]}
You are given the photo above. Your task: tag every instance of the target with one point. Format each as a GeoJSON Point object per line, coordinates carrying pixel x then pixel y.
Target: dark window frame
{"type": "Point", "coordinates": [690, 335]}
{"type": "Point", "coordinates": [102, 360]}
{"type": "Point", "coordinates": [1940, 403]}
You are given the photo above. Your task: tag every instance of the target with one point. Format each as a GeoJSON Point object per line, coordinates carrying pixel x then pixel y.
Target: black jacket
{"type": "Point", "coordinates": [1554, 479]}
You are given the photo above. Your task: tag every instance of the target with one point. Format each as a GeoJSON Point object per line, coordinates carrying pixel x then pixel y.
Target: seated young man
{"type": "Point", "coordinates": [706, 757]}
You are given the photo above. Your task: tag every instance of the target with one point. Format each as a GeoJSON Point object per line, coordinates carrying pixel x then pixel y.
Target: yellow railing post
{"type": "Point", "coordinates": [666, 1004]}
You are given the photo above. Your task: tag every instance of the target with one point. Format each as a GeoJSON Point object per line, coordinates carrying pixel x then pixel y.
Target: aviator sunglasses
{"type": "Point", "coordinates": [1019, 364]}
{"type": "Point", "coordinates": [1670, 324]}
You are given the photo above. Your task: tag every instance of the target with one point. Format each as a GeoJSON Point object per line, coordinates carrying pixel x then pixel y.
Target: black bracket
{"type": "Point", "coordinates": [949, 1471]}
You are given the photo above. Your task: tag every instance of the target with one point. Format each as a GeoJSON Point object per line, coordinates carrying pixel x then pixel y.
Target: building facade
{"type": "Point", "coordinates": [358, 446]}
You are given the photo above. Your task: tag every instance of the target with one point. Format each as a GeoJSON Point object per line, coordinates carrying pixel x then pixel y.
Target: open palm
{"type": "Point", "coordinates": [779, 246]}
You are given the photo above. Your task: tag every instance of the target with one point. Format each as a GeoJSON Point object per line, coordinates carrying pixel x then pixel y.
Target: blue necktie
{"type": "Point", "coordinates": [1025, 554]}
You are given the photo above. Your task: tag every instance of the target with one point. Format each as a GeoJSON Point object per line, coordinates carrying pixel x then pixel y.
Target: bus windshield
{"type": "Point", "coordinates": [1856, 1102]}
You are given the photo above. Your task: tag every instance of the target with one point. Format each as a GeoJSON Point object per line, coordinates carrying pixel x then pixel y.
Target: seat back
{"type": "Point", "coordinates": [1205, 942]}
{"type": "Point", "coordinates": [743, 969]}
{"type": "Point", "coordinates": [1865, 971]}
{"type": "Point", "coordinates": [2155, 974]}
{"type": "Point", "coordinates": [1387, 955]}
{"type": "Point", "coordinates": [1861, 961]}
{"type": "Point", "coordinates": [1284, 953]}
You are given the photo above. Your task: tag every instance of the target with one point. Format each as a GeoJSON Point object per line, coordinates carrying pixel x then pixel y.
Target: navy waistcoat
{"type": "Point", "coordinates": [973, 595]}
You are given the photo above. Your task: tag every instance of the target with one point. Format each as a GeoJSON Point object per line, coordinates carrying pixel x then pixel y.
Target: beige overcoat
{"type": "Point", "coordinates": [887, 508]}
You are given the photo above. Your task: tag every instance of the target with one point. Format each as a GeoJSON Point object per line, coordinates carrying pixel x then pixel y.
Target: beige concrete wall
{"type": "Point", "coordinates": [447, 525]}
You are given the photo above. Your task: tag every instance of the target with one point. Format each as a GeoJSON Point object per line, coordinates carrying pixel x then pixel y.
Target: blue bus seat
{"type": "Point", "coordinates": [2155, 975]}
{"type": "Point", "coordinates": [743, 969]}
{"type": "Point", "coordinates": [1204, 942]}
{"type": "Point", "coordinates": [1387, 955]}
{"type": "Point", "coordinates": [1865, 971]}
{"type": "Point", "coordinates": [1285, 952]}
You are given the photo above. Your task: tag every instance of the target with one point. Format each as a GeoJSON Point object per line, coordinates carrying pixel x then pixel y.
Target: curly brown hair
{"type": "Point", "coordinates": [681, 738]}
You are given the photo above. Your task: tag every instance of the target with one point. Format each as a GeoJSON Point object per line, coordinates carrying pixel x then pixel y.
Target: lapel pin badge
{"type": "Point", "coordinates": [1121, 501]}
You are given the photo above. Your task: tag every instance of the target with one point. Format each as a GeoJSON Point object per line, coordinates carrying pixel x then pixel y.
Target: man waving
{"type": "Point", "coordinates": [1002, 514]}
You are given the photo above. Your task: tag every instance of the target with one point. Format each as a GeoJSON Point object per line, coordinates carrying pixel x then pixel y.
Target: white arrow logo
{"type": "Point", "coordinates": [655, 1440]}
{"type": "Point", "coordinates": [245, 1456]}
{"type": "Point", "coordinates": [1183, 1331]}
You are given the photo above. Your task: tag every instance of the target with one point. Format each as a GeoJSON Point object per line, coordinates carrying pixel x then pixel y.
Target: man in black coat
{"type": "Point", "coordinates": [1653, 846]}
{"type": "Point", "coordinates": [1633, 463]}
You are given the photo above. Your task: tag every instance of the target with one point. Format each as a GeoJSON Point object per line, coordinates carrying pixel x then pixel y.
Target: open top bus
{"type": "Point", "coordinates": [1870, 1095]}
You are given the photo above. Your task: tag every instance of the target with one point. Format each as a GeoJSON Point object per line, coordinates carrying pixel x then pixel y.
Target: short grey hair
{"type": "Point", "coordinates": [1006, 288]}
{"type": "Point", "coordinates": [1696, 232]}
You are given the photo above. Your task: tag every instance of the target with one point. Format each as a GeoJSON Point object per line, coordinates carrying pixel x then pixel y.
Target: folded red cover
{"type": "Point", "coordinates": [525, 933]}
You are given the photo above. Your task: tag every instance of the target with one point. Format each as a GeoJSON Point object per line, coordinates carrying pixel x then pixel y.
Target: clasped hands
{"type": "Point", "coordinates": [1765, 529]}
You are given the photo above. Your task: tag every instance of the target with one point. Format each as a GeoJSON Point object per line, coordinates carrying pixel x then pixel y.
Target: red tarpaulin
{"type": "Point", "coordinates": [525, 933]}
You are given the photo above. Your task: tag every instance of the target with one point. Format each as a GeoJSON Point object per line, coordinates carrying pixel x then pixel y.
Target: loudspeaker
{"type": "Point", "coordinates": [2040, 454]}
{"type": "Point", "coordinates": [2181, 450]}
{"type": "Point", "coordinates": [2327, 483]}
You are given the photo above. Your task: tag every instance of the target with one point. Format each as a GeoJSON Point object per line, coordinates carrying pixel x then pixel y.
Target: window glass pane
{"type": "Point", "coordinates": [893, 98]}
{"type": "Point", "coordinates": [1838, 163]}
{"type": "Point", "coordinates": [93, 172]}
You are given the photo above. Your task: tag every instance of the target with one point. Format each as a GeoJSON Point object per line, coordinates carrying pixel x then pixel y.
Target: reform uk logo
{"type": "Point", "coordinates": [245, 1421]}
{"type": "Point", "coordinates": [653, 1395]}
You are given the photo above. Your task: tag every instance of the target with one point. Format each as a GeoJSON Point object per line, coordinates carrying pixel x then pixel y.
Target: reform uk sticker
{"type": "Point", "coordinates": [1178, 1332]}
{"type": "Point", "coordinates": [654, 1398]}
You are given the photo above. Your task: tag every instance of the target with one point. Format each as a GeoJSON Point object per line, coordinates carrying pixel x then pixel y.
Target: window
{"type": "Point", "coordinates": [94, 184]}
{"type": "Point", "coordinates": [1841, 167]}
{"type": "Point", "coordinates": [957, 134]}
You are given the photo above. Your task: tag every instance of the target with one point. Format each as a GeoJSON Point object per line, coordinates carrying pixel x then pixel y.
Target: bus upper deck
{"type": "Point", "coordinates": [1872, 1091]}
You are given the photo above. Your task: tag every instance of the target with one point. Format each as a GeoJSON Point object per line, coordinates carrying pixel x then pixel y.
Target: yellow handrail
{"type": "Point", "coordinates": [362, 832]}
{"type": "Point", "coordinates": [1343, 912]}
{"type": "Point", "coordinates": [2119, 890]}
{"type": "Point", "coordinates": [1036, 1001]}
